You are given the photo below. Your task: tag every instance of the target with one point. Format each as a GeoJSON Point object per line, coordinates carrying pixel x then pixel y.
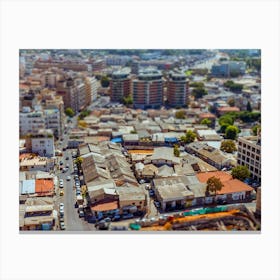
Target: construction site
{"type": "Point", "coordinates": [220, 218]}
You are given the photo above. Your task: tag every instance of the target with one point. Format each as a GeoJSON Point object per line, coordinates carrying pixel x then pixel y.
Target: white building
{"type": "Point", "coordinates": [42, 143]}
{"type": "Point", "coordinates": [52, 121]}
{"type": "Point", "coordinates": [249, 154]}
{"type": "Point", "coordinates": [31, 122]}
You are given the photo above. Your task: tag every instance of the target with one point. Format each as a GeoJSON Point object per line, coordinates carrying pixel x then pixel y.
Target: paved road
{"type": "Point", "coordinates": [71, 217]}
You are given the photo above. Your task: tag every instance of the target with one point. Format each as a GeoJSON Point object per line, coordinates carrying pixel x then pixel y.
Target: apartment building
{"type": "Point", "coordinates": [41, 143]}
{"type": "Point", "coordinates": [249, 154]}
{"type": "Point", "coordinates": [73, 93]}
{"type": "Point", "coordinates": [30, 122]}
{"type": "Point", "coordinates": [91, 85]}
{"type": "Point", "coordinates": [148, 90]}
{"type": "Point", "coordinates": [120, 86]}
{"type": "Point", "coordinates": [53, 122]}
{"type": "Point", "coordinates": [177, 90]}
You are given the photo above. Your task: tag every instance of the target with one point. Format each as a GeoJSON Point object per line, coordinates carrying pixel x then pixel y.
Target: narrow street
{"type": "Point", "coordinates": [71, 216]}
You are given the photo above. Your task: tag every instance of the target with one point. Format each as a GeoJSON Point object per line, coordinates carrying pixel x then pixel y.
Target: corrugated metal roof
{"type": "Point", "coordinates": [27, 187]}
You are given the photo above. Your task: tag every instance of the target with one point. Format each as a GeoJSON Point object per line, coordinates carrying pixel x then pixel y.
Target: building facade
{"type": "Point", "coordinates": [148, 90]}
{"type": "Point", "coordinates": [119, 86]}
{"type": "Point", "coordinates": [249, 154]}
{"type": "Point", "coordinates": [42, 143]}
{"type": "Point", "coordinates": [31, 122]}
{"type": "Point", "coordinates": [177, 90]}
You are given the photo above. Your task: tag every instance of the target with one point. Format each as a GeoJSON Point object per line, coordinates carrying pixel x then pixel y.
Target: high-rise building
{"type": "Point", "coordinates": [73, 93]}
{"type": "Point", "coordinates": [148, 90]}
{"type": "Point", "coordinates": [120, 86]}
{"type": "Point", "coordinates": [177, 90]}
{"type": "Point", "coordinates": [135, 67]}
{"type": "Point", "coordinates": [228, 68]}
{"type": "Point", "coordinates": [52, 121]}
{"type": "Point", "coordinates": [91, 86]}
{"type": "Point", "coordinates": [249, 154]}
{"type": "Point", "coordinates": [56, 102]}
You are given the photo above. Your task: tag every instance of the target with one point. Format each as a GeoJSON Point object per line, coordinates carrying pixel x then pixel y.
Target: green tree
{"type": "Point", "coordinates": [176, 151]}
{"type": "Point", "coordinates": [255, 129]}
{"type": "Point", "coordinates": [214, 184]}
{"type": "Point", "coordinates": [180, 114]}
{"type": "Point", "coordinates": [127, 100]}
{"type": "Point", "coordinates": [231, 102]}
{"type": "Point", "coordinates": [79, 161]}
{"type": "Point", "coordinates": [233, 86]}
{"type": "Point", "coordinates": [189, 137]}
{"type": "Point", "coordinates": [231, 132]}
{"type": "Point", "coordinates": [84, 114]}
{"type": "Point", "coordinates": [69, 112]}
{"type": "Point", "coordinates": [249, 107]}
{"type": "Point", "coordinates": [228, 146]}
{"type": "Point", "coordinates": [206, 121]}
{"type": "Point", "coordinates": [197, 84]}
{"type": "Point", "coordinates": [105, 82]}
{"type": "Point", "coordinates": [199, 92]}
{"type": "Point", "coordinates": [240, 172]}
{"type": "Point", "coordinates": [226, 119]}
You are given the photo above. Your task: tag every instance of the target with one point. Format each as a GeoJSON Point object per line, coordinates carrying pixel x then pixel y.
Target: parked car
{"type": "Point", "coordinates": [157, 204]}
{"type": "Point", "coordinates": [118, 228]}
{"type": "Point", "coordinates": [116, 218]}
{"type": "Point", "coordinates": [61, 193]}
{"type": "Point", "coordinates": [61, 163]}
{"type": "Point", "coordinates": [127, 216]}
{"type": "Point", "coordinates": [62, 226]}
{"type": "Point", "coordinates": [151, 193]}
{"type": "Point", "coordinates": [81, 214]}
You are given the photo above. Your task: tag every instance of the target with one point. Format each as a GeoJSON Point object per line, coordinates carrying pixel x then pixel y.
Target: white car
{"type": "Point", "coordinates": [61, 184]}
{"type": "Point", "coordinates": [61, 207]}
{"type": "Point", "coordinates": [68, 178]}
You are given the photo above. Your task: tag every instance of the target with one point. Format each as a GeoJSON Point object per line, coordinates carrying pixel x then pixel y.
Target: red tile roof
{"type": "Point", "coordinates": [44, 186]}
{"type": "Point", "coordinates": [207, 115]}
{"type": "Point", "coordinates": [105, 206]}
{"type": "Point", "coordinates": [230, 185]}
{"type": "Point", "coordinates": [204, 176]}
{"type": "Point", "coordinates": [228, 109]}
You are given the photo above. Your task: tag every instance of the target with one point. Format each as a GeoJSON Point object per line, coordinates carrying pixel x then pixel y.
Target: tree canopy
{"type": "Point", "coordinates": [189, 137]}
{"type": "Point", "coordinates": [235, 87]}
{"type": "Point", "coordinates": [176, 151]}
{"type": "Point", "coordinates": [214, 184]}
{"type": "Point", "coordinates": [240, 172]}
{"type": "Point", "coordinates": [231, 132]}
{"type": "Point", "coordinates": [206, 121]}
{"type": "Point", "coordinates": [127, 100]}
{"type": "Point", "coordinates": [180, 114]}
{"type": "Point", "coordinates": [84, 114]}
{"type": "Point", "coordinates": [249, 107]}
{"type": "Point", "coordinates": [69, 112]}
{"type": "Point", "coordinates": [105, 82]}
{"type": "Point", "coordinates": [228, 146]}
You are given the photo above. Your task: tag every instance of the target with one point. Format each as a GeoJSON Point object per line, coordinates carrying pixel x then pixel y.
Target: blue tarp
{"type": "Point", "coordinates": [171, 139]}
{"type": "Point", "coordinates": [117, 140]}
